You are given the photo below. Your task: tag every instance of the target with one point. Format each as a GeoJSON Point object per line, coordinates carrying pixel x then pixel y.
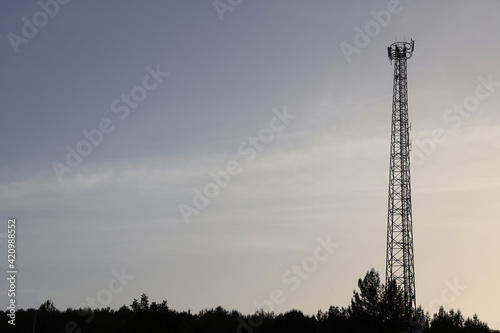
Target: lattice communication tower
{"type": "Point", "coordinates": [399, 256]}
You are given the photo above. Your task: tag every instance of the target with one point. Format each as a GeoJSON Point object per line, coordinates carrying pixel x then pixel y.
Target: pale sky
{"type": "Point", "coordinates": [172, 92]}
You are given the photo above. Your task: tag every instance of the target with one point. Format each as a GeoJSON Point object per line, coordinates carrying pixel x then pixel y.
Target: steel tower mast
{"type": "Point", "coordinates": [399, 256]}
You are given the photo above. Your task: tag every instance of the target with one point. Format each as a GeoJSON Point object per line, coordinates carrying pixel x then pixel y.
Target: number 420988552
{"type": "Point", "coordinates": [11, 235]}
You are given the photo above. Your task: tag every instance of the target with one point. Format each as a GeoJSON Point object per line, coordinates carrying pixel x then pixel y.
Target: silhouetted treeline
{"type": "Point", "coordinates": [374, 308]}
